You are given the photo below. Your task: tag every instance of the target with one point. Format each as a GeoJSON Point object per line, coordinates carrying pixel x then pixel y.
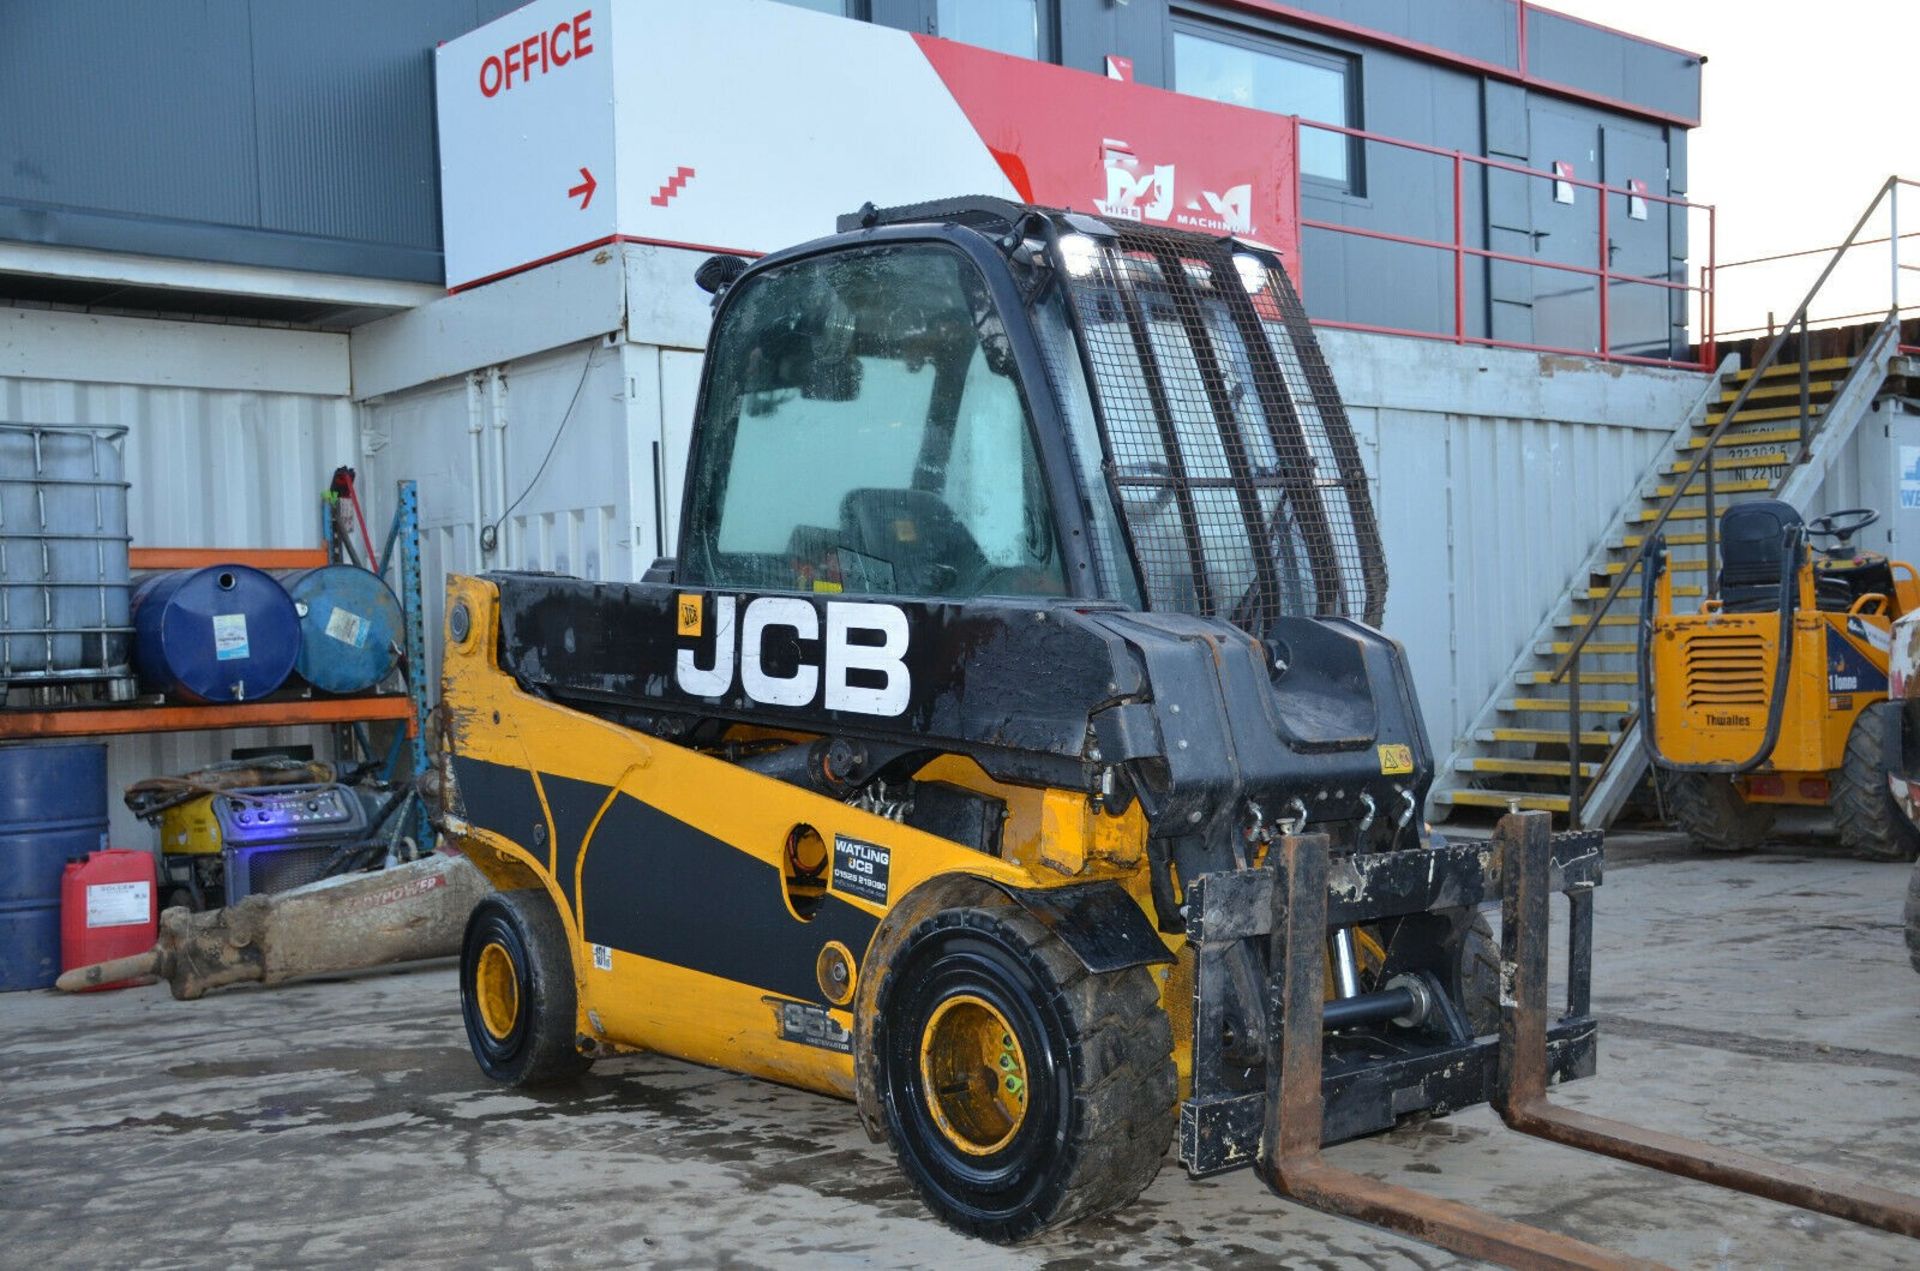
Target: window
{"type": "Point", "coordinates": [1288, 79]}
{"type": "Point", "coordinates": [1006, 26]}
{"type": "Point", "coordinates": [839, 8]}
{"type": "Point", "coordinates": [865, 432]}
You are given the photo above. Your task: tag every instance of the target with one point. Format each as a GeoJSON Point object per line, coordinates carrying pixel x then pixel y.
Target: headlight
{"type": "Point", "coordinates": [1253, 272]}
{"type": "Point", "coordinates": [1079, 254]}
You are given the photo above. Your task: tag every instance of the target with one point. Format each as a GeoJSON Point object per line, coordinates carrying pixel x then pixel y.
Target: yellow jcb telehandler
{"type": "Point", "coordinates": [1009, 749]}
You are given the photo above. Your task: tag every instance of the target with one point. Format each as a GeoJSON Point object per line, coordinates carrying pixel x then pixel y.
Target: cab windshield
{"type": "Point", "coordinates": [864, 431]}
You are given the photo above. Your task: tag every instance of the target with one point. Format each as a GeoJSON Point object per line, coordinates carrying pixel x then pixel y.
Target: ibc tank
{"type": "Point", "coordinates": [63, 554]}
{"type": "Point", "coordinates": [226, 633]}
{"type": "Point", "coordinates": [53, 807]}
{"type": "Point", "coordinates": [350, 627]}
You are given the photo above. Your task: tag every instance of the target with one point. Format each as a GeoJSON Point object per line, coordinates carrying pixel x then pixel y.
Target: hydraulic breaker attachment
{"type": "Point", "coordinates": [344, 924]}
{"type": "Point", "coordinates": [1525, 844]}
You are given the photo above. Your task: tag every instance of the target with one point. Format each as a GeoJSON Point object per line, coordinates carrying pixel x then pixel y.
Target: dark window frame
{"type": "Point", "coordinates": [1047, 26]}
{"type": "Point", "coordinates": [1207, 24]}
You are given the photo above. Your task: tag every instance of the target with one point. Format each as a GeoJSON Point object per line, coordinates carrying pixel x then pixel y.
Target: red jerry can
{"type": "Point", "coordinates": [109, 908]}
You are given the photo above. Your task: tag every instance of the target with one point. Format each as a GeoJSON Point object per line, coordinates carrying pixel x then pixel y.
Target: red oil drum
{"type": "Point", "coordinates": [109, 908]}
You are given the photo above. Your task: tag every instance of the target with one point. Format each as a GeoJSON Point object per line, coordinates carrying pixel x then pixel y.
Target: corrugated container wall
{"type": "Point", "coordinates": [219, 463]}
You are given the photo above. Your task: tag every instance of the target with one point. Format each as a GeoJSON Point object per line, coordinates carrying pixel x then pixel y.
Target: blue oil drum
{"type": "Point", "coordinates": [53, 808]}
{"type": "Point", "coordinates": [226, 633]}
{"type": "Point", "coordinates": [350, 627]}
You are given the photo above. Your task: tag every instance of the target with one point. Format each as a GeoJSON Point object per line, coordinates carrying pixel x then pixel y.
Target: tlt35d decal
{"type": "Point", "coordinates": [859, 637]}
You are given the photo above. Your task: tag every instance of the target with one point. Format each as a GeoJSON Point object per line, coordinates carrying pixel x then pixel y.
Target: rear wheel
{"type": "Point", "coordinates": [517, 991]}
{"type": "Point", "coordinates": [1018, 1090]}
{"type": "Point", "coordinates": [1708, 808]}
{"type": "Point", "coordinates": [1871, 824]}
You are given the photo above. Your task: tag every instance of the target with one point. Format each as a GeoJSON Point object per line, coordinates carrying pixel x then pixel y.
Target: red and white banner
{"type": "Point", "coordinates": [749, 125]}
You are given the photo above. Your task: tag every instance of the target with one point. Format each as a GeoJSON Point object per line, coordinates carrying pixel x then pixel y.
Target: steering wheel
{"type": "Point", "coordinates": [1842, 525]}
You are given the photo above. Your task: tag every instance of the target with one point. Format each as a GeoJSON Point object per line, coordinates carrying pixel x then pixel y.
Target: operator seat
{"type": "Point", "coordinates": [914, 531]}
{"type": "Point", "coordinates": [1752, 545]}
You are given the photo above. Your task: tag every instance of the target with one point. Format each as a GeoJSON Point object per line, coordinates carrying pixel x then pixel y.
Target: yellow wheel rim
{"type": "Point", "coordinates": [496, 987]}
{"type": "Point", "coordinates": [974, 1075]}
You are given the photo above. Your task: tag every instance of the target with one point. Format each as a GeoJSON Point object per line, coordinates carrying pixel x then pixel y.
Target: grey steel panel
{"type": "Point", "coordinates": [1481, 29]}
{"type": "Point", "coordinates": [347, 127]}
{"type": "Point", "coordinates": [1505, 107]}
{"type": "Point", "coordinates": [119, 106]}
{"type": "Point", "coordinates": [1568, 52]}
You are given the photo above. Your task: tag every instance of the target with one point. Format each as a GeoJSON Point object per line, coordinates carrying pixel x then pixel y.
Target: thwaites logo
{"type": "Point", "coordinates": [861, 668]}
{"type": "Point", "coordinates": [1136, 193]}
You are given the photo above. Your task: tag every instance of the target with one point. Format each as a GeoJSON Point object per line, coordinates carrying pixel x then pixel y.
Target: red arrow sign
{"type": "Point", "coordinates": [584, 191]}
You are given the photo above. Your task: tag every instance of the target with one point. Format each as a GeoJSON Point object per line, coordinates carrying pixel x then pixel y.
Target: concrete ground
{"type": "Point", "coordinates": [1764, 1002]}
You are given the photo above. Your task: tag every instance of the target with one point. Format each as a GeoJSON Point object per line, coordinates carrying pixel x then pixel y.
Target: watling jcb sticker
{"type": "Point", "coordinates": [1396, 760]}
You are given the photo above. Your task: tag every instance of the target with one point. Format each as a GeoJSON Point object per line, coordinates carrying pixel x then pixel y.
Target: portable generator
{"type": "Point", "coordinates": [221, 847]}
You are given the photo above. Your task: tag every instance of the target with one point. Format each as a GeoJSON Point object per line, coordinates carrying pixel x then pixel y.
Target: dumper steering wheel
{"type": "Point", "coordinates": [1842, 525]}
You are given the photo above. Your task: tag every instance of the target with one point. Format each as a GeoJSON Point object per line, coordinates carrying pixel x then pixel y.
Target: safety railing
{"type": "Point", "coordinates": [1568, 669]}
{"type": "Point", "coordinates": [1605, 278]}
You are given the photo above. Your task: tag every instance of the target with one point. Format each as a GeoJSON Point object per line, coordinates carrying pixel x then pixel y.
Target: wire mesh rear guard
{"type": "Point", "coordinates": [1226, 441]}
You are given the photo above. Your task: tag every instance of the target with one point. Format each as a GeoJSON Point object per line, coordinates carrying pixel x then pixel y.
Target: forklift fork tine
{"type": "Point", "coordinates": [1521, 1090]}
{"type": "Point", "coordinates": [1290, 1157]}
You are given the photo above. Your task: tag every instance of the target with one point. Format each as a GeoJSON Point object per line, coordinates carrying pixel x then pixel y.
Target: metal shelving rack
{"type": "Point", "coordinates": [288, 708]}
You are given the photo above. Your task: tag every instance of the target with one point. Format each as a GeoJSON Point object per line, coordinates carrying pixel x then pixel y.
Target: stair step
{"type": "Point", "coordinates": [1766, 438]}
{"type": "Point", "coordinates": [1750, 416]}
{"type": "Point", "coordinates": [1558, 705]}
{"type": "Point", "coordinates": [1778, 369]}
{"type": "Point", "coordinates": [1677, 566]}
{"type": "Point", "coordinates": [1633, 593]}
{"type": "Point", "coordinates": [1524, 767]}
{"type": "Point", "coordinates": [1525, 801]}
{"type": "Point", "coordinates": [1765, 459]}
{"type": "Point", "coordinates": [1598, 648]}
{"type": "Point", "coordinates": [1697, 488]}
{"type": "Point", "coordinates": [1577, 620]}
{"type": "Point", "coordinates": [1632, 541]}
{"type": "Point", "coordinates": [1586, 677]}
{"type": "Point", "coordinates": [1789, 389]}
{"type": "Point", "coordinates": [1547, 736]}
{"type": "Point", "coordinates": [1646, 515]}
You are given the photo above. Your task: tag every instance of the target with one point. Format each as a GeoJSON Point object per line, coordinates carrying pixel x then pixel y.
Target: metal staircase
{"type": "Point", "coordinates": [1771, 432]}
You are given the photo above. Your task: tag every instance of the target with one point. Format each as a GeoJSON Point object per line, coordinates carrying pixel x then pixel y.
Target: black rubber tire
{"type": "Point", "coordinates": [1478, 977]}
{"type": "Point", "coordinates": [1100, 1072]}
{"type": "Point", "coordinates": [539, 1050]}
{"type": "Point", "coordinates": [1913, 918]}
{"type": "Point", "coordinates": [1870, 824]}
{"type": "Point", "coordinates": [1710, 811]}
{"type": "Point", "coordinates": [1458, 946]}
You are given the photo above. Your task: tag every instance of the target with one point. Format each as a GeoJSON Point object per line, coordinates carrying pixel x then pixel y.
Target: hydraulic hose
{"type": "Point", "coordinates": [1656, 564]}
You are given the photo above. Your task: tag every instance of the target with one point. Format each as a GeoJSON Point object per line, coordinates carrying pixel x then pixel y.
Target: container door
{"type": "Point", "coordinates": [1639, 317]}
{"type": "Point", "coordinates": [1566, 225]}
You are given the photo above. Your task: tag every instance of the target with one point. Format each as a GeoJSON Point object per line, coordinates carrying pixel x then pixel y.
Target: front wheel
{"type": "Point", "coordinates": [517, 991]}
{"type": "Point", "coordinates": [1018, 1090]}
{"type": "Point", "coordinates": [1872, 826]}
